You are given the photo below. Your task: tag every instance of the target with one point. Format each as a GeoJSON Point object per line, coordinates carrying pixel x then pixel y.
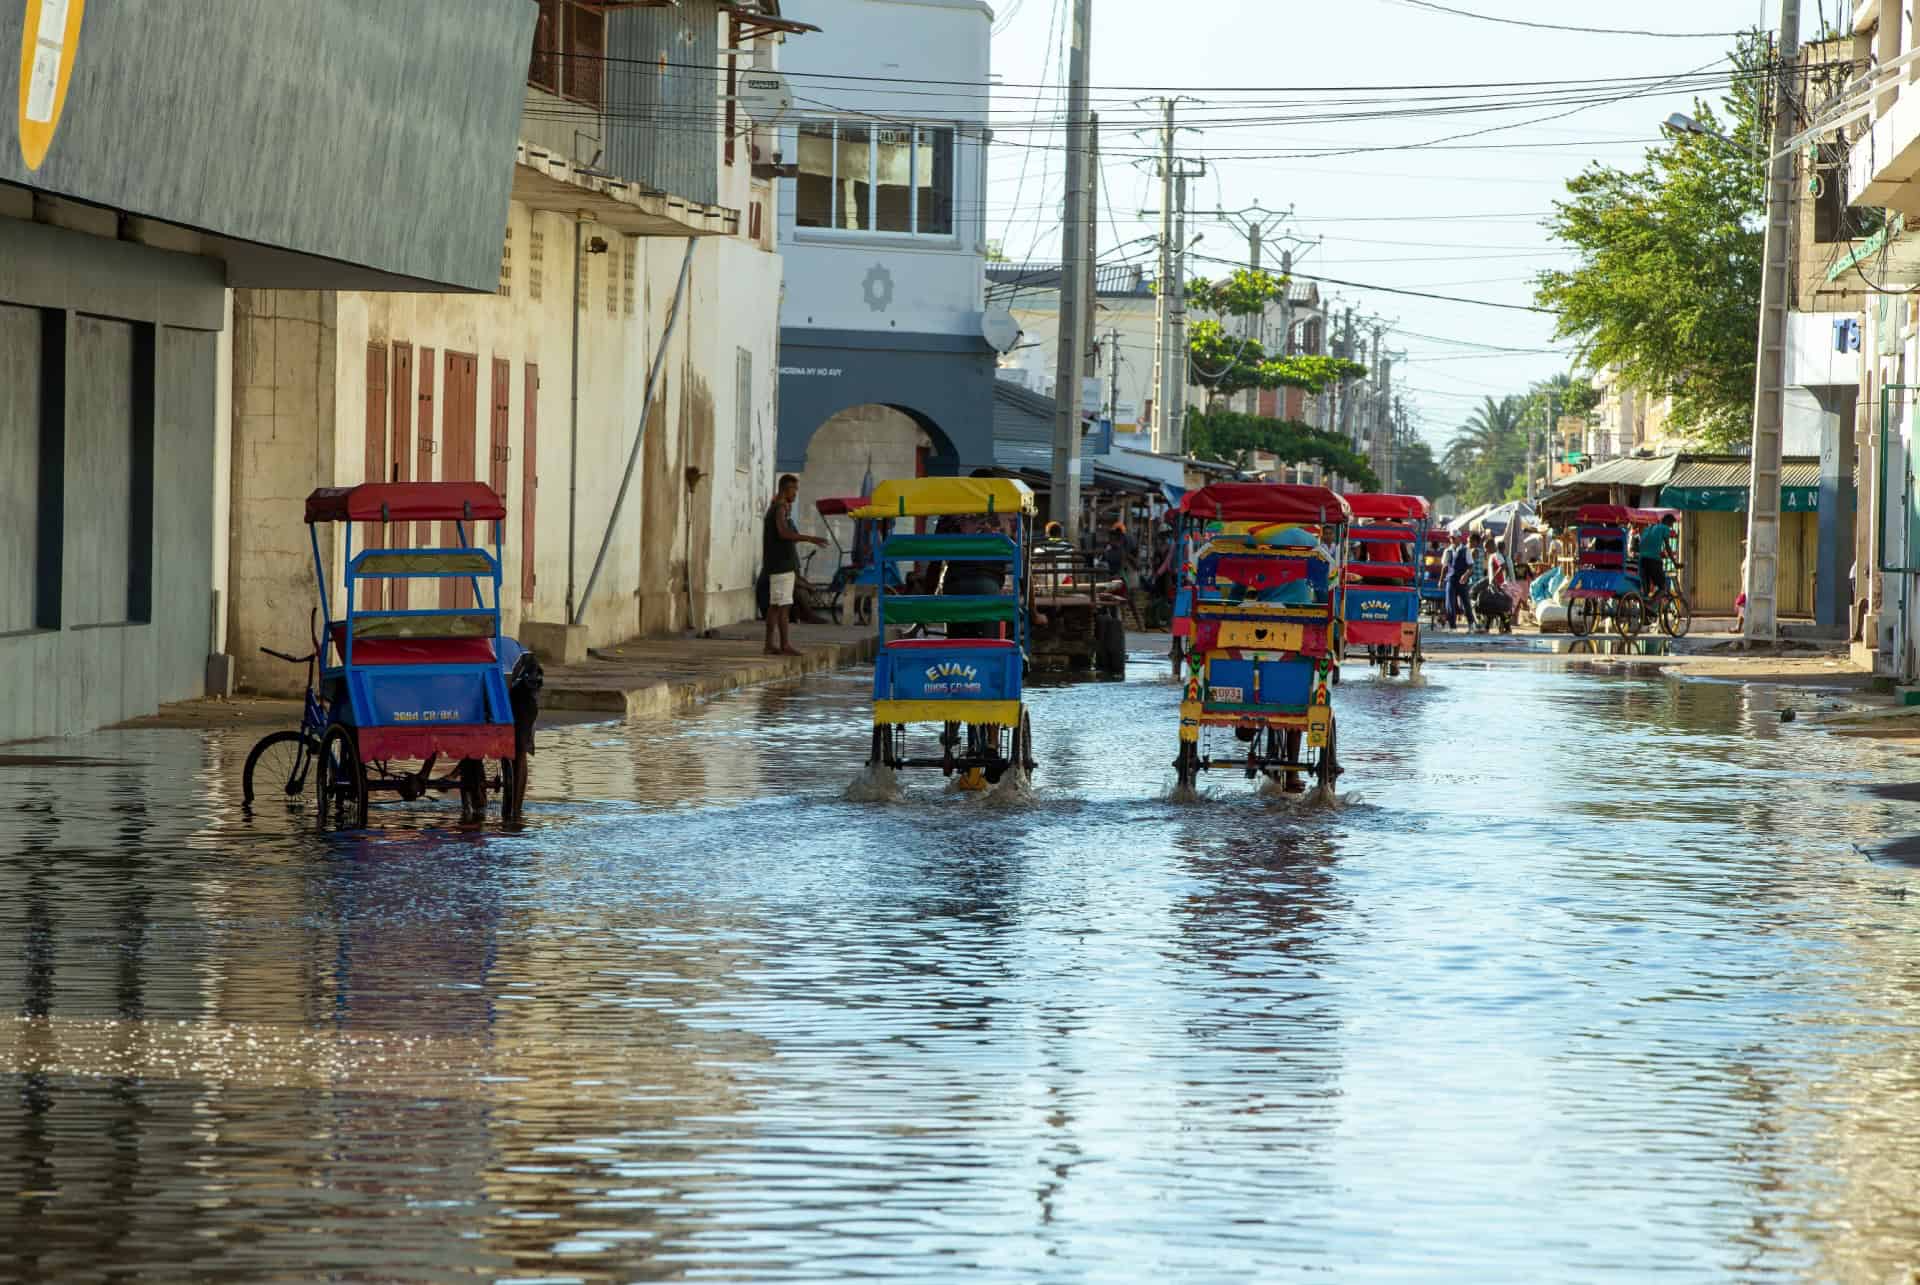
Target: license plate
{"type": "Point", "coordinates": [1227, 695]}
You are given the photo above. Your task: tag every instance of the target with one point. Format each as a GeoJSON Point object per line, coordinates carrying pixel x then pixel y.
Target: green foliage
{"type": "Point", "coordinates": [996, 252]}
{"type": "Point", "coordinates": [1232, 438]}
{"type": "Point", "coordinates": [1417, 472]}
{"type": "Point", "coordinates": [1244, 294]}
{"type": "Point", "coordinates": [1490, 451]}
{"type": "Point", "coordinates": [1668, 284]}
{"type": "Point", "coordinates": [1229, 365]}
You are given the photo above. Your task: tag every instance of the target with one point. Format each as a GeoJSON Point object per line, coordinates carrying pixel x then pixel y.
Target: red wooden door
{"type": "Point", "coordinates": [400, 454]}
{"type": "Point", "coordinates": [499, 450]}
{"type": "Point", "coordinates": [460, 393]}
{"type": "Point", "coordinates": [529, 478]}
{"type": "Point", "coordinates": [367, 593]}
{"type": "Point", "coordinates": [424, 443]}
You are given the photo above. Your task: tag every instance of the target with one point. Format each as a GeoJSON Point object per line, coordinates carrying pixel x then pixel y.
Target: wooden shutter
{"type": "Point", "coordinates": [543, 68]}
{"type": "Point", "coordinates": [400, 454]}
{"type": "Point", "coordinates": [424, 443]}
{"type": "Point", "coordinates": [529, 478]}
{"type": "Point", "coordinates": [499, 450]}
{"type": "Point", "coordinates": [368, 593]}
{"type": "Point", "coordinates": [457, 424]}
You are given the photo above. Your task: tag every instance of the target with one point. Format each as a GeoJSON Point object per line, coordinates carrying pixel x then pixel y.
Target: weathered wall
{"type": "Point", "coordinates": [876, 439]}
{"type": "Point", "coordinates": [678, 556]}
{"type": "Point", "coordinates": [174, 107]}
{"type": "Point", "coordinates": [110, 353]}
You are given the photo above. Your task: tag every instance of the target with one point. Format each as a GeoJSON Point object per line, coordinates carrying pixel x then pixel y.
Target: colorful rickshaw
{"type": "Point", "coordinates": [1606, 580]}
{"type": "Point", "coordinates": [1265, 630]}
{"type": "Point", "coordinates": [436, 687]}
{"type": "Point", "coordinates": [1387, 545]}
{"type": "Point", "coordinates": [973, 570]}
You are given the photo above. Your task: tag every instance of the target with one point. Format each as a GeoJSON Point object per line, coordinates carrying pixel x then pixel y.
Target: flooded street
{"type": "Point", "coordinates": [1589, 977]}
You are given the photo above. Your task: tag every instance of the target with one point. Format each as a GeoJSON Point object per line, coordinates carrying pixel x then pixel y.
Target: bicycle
{"type": "Point", "coordinates": [1669, 607]}
{"type": "Point", "coordinates": [289, 754]}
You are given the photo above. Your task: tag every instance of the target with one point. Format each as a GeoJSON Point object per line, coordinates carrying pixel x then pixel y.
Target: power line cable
{"type": "Point", "coordinates": [1555, 26]}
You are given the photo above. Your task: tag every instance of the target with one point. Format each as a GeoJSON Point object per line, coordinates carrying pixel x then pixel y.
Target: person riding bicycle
{"type": "Point", "coordinates": [1654, 543]}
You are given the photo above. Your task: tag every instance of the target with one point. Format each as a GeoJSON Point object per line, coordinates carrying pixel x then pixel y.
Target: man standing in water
{"type": "Point", "coordinates": [782, 562]}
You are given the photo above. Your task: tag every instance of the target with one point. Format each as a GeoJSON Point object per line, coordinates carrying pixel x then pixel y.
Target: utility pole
{"type": "Point", "coordinates": [1163, 293]}
{"type": "Point", "coordinates": [1113, 376]}
{"type": "Point", "coordinates": [1177, 320]}
{"type": "Point", "coordinates": [1064, 502]}
{"type": "Point", "coordinates": [1762, 622]}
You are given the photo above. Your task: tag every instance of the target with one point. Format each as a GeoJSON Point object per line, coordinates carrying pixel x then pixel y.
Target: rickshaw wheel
{"type": "Point", "coordinates": [1629, 614]}
{"type": "Point", "coordinates": [1326, 770]}
{"type": "Point", "coordinates": [1580, 616]}
{"type": "Point", "coordinates": [513, 787]}
{"type": "Point", "coordinates": [1186, 767]}
{"type": "Point", "coordinates": [342, 779]}
{"type": "Point", "coordinates": [1676, 614]}
{"type": "Point", "coordinates": [473, 789]}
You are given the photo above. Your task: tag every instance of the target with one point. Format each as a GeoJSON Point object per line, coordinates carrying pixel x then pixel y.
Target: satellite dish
{"type": "Point", "coordinates": [999, 329]}
{"type": "Point", "coordinates": [764, 95]}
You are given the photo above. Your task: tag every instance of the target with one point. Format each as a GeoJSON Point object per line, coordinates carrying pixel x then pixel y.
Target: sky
{"type": "Point", "coordinates": [1460, 219]}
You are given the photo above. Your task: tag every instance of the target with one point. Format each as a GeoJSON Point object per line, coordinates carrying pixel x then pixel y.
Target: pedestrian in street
{"type": "Point", "coordinates": [1653, 560]}
{"type": "Point", "coordinates": [1459, 567]}
{"type": "Point", "coordinates": [781, 559]}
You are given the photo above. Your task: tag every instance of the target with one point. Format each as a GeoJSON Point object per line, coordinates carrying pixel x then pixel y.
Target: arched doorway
{"type": "Point", "coordinates": [884, 441]}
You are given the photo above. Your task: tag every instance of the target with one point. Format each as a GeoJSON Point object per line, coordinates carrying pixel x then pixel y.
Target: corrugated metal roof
{"type": "Point", "coordinates": [1128, 280]}
{"type": "Point", "coordinates": [1704, 472]}
{"type": "Point", "coordinates": [1627, 470]}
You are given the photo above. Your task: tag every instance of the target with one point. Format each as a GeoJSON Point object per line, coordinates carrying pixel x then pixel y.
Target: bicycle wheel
{"type": "Point", "coordinates": [1676, 614]}
{"type": "Point", "coordinates": [280, 761]}
{"type": "Point", "coordinates": [1629, 614]}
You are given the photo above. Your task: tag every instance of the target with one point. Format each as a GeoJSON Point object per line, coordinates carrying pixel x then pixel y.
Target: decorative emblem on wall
{"type": "Point", "coordinates": [49, 40]}
{"type": "Point", "coordinates": [879, 288]}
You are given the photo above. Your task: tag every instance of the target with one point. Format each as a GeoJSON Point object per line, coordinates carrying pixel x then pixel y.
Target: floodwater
{"type": "Point", "coordinates": [1589, 977]}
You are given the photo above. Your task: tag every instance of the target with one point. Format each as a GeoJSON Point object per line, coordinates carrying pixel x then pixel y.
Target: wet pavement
{"type": "Point", "coordinates": [1590, 976]}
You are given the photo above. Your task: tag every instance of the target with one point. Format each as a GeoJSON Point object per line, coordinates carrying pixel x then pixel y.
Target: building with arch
{"type": "Point", "coordinates": [883, 364]}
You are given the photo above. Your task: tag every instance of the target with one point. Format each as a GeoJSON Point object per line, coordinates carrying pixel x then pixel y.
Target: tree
{"type": "Point", "coordinates": [1490, 450]}
{"type": "Point", "coordinates": [1228, 364]}
{"type": "Point", "coordinates": [1417, 472]}
{"type": "Point", "coordinates": [1668, 284]}
{"type": "Point", "coordinates": [1232, 438]}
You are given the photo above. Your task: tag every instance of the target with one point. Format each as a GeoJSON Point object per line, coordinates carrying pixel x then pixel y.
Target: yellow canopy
{"type": "Point", "coordinates": [933, 497]}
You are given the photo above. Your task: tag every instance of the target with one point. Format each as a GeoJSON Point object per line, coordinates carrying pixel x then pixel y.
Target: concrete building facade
{"type": "Point", "coordinates": [123, 229]}
{"type": "Point", "coordinates": [538, 386]}
{"type": "Point", "coordinates": [884, 364]}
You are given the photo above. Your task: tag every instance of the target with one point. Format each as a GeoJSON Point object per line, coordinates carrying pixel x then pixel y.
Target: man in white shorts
{"type": "Point", "coordinates": [781, 559]}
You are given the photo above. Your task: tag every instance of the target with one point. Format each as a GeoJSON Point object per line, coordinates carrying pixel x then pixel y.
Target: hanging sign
{"type": "Point", "coordinates": [49, 39]}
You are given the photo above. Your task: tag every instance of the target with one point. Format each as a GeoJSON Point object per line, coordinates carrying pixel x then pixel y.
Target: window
{"type": "Point", "coordinates": [569, 52]}
{"type": "Point", "coordinates": [742, 409]}
{"type": "Point", "coordinates": [873, 177]}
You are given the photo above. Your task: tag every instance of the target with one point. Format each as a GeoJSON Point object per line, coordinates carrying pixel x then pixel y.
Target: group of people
{"type": "Point", "coordinates": [1470, 562]}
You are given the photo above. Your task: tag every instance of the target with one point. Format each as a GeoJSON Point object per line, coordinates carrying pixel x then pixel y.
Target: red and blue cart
{"type": "Point", "coordinates": [1387, 545]}
{"type": "Point", "coordinates": [418, 699]}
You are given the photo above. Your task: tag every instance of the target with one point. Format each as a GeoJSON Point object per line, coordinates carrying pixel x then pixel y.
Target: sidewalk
{"type": "Point", "coordinates": [639, 678]}
{"type": "Point", "coordinates": [650, 677]}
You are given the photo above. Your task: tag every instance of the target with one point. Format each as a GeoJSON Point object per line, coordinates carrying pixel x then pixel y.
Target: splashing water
{"type": "Point", "coordinates": [1014, 790]}
{"type": "Point", "coordinates": [876, 783]}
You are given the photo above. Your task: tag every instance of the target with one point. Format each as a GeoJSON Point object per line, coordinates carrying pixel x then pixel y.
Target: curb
{"type": "Point", "coordinates": [663, 699]}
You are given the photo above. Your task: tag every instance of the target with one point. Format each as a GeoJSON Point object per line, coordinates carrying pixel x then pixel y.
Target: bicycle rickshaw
{"type": "Point", "coordinates": [1265, 602]}
{"type": "Point", "coordinates": [1388, 541]}
{"type": "Point", "coordinates": [1606, 581]}
{"type": "Point", "coordinates": [1433, 580]}
{"type": "Point", "coordinates": [968, 681]}
{"type": "Point", "coordinates": [427, 686]}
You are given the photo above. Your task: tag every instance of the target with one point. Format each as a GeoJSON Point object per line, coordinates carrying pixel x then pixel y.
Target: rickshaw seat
{"type": "Point", "coordinates": [413, 651]}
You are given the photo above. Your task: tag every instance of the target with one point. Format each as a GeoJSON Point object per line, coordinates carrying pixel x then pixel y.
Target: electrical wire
{"type": "Point", "coordinates": [1555, 26]}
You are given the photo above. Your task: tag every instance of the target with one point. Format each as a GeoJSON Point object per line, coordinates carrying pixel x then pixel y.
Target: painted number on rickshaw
{"type": "Point", "coordinates": [1227, 695]}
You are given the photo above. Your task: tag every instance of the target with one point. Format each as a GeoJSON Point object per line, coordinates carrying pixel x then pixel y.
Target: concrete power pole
{"type": "Point", "coordinates": [1177, 323]}
{"type": "Point", "coordinates": [1762, 623]}
{"type": "Point", "coordinates": [1163, 290]}
{"type": "Point", "coordinates": [1064, 502]}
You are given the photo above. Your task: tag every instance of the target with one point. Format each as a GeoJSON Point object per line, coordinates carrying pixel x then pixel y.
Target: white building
{"type": "Point", "coordinates": [883, 363]}
{"type": "Point", "coordinates": [539, 387]}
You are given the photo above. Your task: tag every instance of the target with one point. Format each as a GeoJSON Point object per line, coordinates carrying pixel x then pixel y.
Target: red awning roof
{"type": "Point", "coordinates": [1621, 515]}
{"type": "Point", "coordinates": [1266, 502]}
{"type": "Point", "coordinates": [837, 506]}
{"type": "Point", "coordinates": [406, 502]}
{"type": "Point", "coordinates": [1371, 506]}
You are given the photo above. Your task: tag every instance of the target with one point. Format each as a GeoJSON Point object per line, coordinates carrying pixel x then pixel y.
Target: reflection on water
{"type": "Point", "coordinates": [1610, 645]}
{"type": "Point", "coordinates": [1592, 982]}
